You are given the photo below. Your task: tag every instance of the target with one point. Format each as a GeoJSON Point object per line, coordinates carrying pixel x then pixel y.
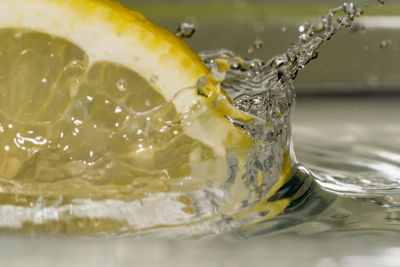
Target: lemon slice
{"type": "Point", "coordinates": [99, 104]}
{"type": "Point", "coordinates": [94, 93]}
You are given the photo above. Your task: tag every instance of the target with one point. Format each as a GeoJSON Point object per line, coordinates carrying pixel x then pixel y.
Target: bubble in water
{"type": "Point", "coordinates": [122, 85]}
{"type": "Point", "coordinates": [186, 30]}
{"type": "Point", "coordinates": [235, 63]}
{"type": "Point", "coordinates": [304, 27]}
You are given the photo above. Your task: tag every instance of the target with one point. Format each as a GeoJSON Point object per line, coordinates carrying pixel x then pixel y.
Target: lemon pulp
{"type": "Point", "coordinates": [104, 124]}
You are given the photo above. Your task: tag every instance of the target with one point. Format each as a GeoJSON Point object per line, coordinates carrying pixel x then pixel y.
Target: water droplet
{"type": "Point", "coordinates": [257, 44]}
{"type": "Point", "coordinates": [186, 30]}
{"type": "Point", "coordinates": [122, 85]}
{"type": "Point", "coordinates": [118, 109]}
{"type": "Point", "coordinates": [303, 37]}
{"type": "Point", "coordinates": [234, 63]}
{"type": "Point", "coordinates": [78, 122]}
{"type": "Point", "coordinates": [44, 80]}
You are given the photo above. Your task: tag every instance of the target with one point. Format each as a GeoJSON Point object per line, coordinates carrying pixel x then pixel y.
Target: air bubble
{"type": "Point", "coordinates": [75, 65]}
{"type": "Point", "coordinates": [118, 110]}
{"type": "Point", "coordinates": [234, 64]}
{"type": "Point", "coordinates": [122, 85]}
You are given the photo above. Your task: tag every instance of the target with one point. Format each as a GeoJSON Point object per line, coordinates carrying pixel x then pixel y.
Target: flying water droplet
{"type": "Point", "coordinates": [257, 44]}
{"type": "Point", "coordinates": [186, 30]}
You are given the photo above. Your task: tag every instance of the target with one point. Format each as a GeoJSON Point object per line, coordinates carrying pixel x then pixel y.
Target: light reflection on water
{"type": "Point", "coordinates": [351, 143]}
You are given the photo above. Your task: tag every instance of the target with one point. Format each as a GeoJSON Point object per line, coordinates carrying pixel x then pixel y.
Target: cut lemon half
{"type": "Point", "coordinates": [95, 94]}
{"type": "Point", "coordinates": [103, 109]}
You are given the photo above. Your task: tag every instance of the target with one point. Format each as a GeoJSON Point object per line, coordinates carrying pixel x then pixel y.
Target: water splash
{"type": "Point", "coordinates": [186, 30]}
{"type": "Point", "coordinates": [265, 89]}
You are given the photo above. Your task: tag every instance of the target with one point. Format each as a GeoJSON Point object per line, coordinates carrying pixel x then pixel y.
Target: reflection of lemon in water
{"type": "Point", "coordinates": [91, 104]}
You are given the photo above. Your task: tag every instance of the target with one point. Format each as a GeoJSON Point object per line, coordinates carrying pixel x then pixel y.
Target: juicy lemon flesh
{"type": "Point", "coordinates": [67, 128]}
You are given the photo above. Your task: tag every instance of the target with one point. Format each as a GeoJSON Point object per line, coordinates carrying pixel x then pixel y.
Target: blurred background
{"type": "Point", "coordinates": [363, 60]}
